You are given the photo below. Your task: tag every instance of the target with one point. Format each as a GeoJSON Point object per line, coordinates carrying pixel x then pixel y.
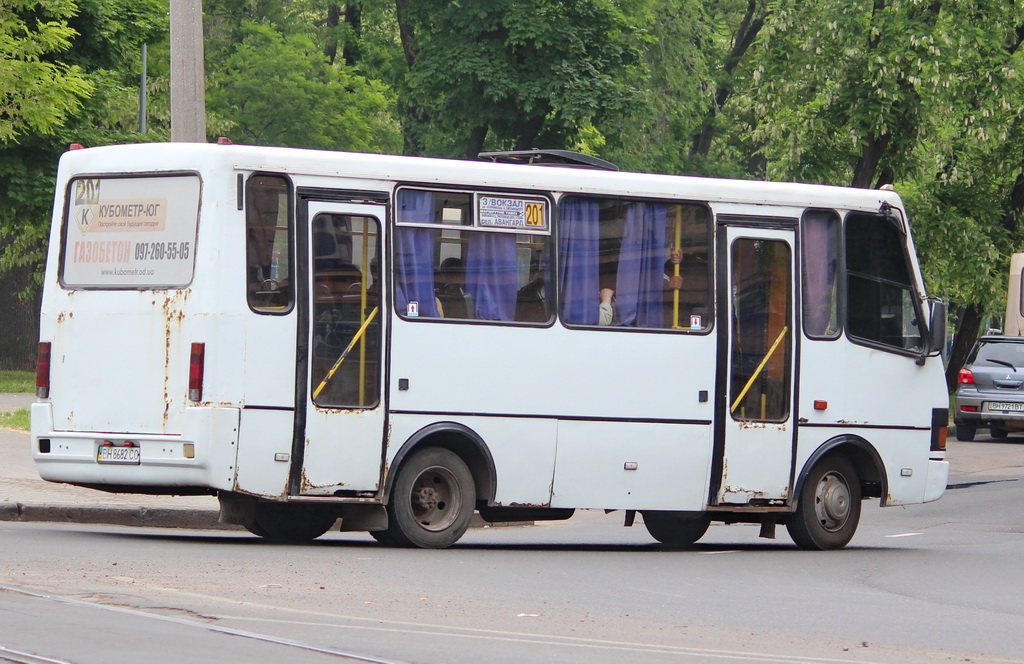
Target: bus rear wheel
{"type": "Point", "coordinates": [432, 501]}
{"type": "Point", "coordinates": [281, 522]}
{"type": "Point", "coordinates": [828, 509]}
{"type": "Point", "coordinates": [676, 529]}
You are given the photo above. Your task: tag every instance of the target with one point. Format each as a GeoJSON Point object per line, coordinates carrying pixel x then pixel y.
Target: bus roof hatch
{"type": "Point", "coordinates": [549, 158]}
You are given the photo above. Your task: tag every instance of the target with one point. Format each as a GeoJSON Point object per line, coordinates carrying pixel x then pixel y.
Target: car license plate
{"type": "Point", "coordinates": [1003, 406]}
{"type": "Point", "coordinates": [111, 454]}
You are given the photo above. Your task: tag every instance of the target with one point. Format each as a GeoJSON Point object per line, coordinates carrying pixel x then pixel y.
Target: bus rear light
{"type": "Point", "coordinates": [43, 370]}
{"type": "Point", "coordinates": [965, 377]}
{"type": "Point", "coordinates": [940, 427]}
{"type": "Point", "coordinates": [195, 372]}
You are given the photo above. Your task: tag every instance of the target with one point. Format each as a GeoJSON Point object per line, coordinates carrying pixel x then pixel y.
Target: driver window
{"type": "Point", "coordinates": [268, 247]}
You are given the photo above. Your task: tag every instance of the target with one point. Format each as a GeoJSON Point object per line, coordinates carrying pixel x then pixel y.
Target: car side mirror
{"type": "Point", "coordinates": [937, 328]}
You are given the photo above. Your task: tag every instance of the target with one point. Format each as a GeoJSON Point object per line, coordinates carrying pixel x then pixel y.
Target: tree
{"type": "Point", "coordinates": [278, 83]}
{"type": "Point", "coordinates": [37, 91]}
{"type": "Point", "coordinates": [512, 73]}
{"type": "Point", "coordinates": [698, 55]}
{"type": "Point", "coordinates": [275, 89]}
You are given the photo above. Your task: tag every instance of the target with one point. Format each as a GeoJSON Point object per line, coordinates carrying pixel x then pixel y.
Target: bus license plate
{"type": "Point", "coordinates": [999, 405]}
{"type": "Point", "coordinates": [132, 455]}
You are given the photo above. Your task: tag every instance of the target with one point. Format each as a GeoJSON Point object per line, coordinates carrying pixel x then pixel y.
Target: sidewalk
{"type": "Point", "coordinates": [26, 497]}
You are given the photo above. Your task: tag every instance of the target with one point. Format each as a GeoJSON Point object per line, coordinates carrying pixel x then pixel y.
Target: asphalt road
{"type": "Point", "coordinates": [937, 582]}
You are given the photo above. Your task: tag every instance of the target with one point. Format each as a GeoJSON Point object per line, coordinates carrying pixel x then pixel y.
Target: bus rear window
{"type": "Point", "coordinates": [130, 233]}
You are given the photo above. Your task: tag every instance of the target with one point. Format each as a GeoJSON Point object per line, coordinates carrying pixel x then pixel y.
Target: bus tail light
{"type": "Point", "coordinates": [965, 377]}
{"type": "Point", "coordinates": [43, 370]}
{"type": "Point", "coordinates": [195, 372]}
{"type": "Point", "coordinates": [940, 426]}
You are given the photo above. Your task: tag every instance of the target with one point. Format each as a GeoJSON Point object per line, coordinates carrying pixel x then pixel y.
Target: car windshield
{"type": "Point", "coordinates": [1001, 353]}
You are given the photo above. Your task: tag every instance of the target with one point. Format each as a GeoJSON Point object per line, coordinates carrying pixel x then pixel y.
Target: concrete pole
{"type": "Point", "coordinates": [188, 95]}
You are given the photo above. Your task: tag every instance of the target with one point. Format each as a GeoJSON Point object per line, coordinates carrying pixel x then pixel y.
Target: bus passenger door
{"type": "Point", "coordinates": [342, 449]}
{"type": "Point", "coordinates": [754, 423]}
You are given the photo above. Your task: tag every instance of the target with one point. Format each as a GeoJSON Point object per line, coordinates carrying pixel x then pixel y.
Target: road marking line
{"type": "Point", "coordinates": [905, 535]}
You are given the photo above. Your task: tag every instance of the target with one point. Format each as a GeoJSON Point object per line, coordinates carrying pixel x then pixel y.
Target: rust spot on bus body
{"type": "Point", "coordinates": [173, 309]}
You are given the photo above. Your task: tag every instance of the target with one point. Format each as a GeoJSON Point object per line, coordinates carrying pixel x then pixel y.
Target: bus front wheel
{"type": "Point", "coordinates": [828, 508]}
{"type": "Point", "coordinates": [432, 501]}
{"type": "Point", "coordinates": [676, 529]}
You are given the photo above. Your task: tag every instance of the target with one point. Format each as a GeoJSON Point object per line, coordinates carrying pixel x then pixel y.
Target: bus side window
{"type": "Point", "coordinates": [651, 257]}
{"type": "Point", "coordinates": [880, 297]}
{"type": "Point", "coordinates": [821, 244]}
{"type": "Point", "coordinates": [446, 268]}
{"type": "Point", "coordinates": [268, 248]}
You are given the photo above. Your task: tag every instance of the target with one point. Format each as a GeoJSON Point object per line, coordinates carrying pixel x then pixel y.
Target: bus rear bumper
{"type": "Point", "coordinates": [195, 458]}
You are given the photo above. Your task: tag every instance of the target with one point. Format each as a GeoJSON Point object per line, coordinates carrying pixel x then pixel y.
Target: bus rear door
{"type": "Point", "coordinates": [340, 450]}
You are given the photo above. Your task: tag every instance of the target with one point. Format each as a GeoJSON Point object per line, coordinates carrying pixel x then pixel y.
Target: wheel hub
{"type": "Point", "coordinates": [433, 494]}
{"type": "Point", "coordinates": [832, 501]}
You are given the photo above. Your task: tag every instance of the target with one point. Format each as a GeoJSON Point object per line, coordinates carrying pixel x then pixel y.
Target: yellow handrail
{"type": "Point", "coordinates": [351, 345]}
{"type": "Point", "coordinates": [760, 367]}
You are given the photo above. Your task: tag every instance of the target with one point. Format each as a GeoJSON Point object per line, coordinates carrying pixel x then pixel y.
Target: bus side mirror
{"type": "Point", "coordinates": [937, 328]}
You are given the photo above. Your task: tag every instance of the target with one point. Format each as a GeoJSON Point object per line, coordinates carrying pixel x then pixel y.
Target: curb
{"type": "Point", "coordinates": [145, 517]}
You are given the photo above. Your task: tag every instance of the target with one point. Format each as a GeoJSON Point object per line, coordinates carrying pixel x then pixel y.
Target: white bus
{"type": "Point", "coordinates": [398, 343]}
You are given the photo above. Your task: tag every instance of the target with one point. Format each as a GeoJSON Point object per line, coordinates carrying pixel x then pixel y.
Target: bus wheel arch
{"type": "Point", "coordinates": [461, 440]}
{"type": "Point", "coordinates": [864, 457]}
{"type": "Point", "coordinates": [830, 490]}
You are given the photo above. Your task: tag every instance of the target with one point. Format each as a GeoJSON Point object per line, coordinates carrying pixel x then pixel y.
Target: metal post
{"type": "Point", "coordinates": [142, 92]}
{"type": "Point", "coordinates": [188, 98]}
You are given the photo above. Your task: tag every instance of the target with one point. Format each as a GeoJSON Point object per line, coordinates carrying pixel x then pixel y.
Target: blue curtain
{"type": "Point", "coordinates": [414, 253]}
{"type": "Point", "coordinates": [820, 271]}
{"type": "Point", "coordinates": [491, 275]}
{"type": "Point", "coordinates": [640, 282]}
{"type": "Point", "coordinates": [579, 246]}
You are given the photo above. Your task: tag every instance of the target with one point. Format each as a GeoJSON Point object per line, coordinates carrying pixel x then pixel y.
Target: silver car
{"type": "Point", "coordinates": [991, 392]}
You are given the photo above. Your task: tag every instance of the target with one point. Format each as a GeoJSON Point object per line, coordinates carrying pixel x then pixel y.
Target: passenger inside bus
{"type": "Point", "coordinates": [450, 290]}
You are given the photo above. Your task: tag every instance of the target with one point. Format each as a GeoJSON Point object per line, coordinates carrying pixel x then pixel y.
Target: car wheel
{"type": "Point", "coordinates": [828, 508]}
{"type": "Point", "coordinates": [676, 529]}
{"type": "Point", "coordinates": [999, 433]}
{"type": "Point", "coordinates": [432, 501]}
{"type": "Point", "coordinates": [965, 432]}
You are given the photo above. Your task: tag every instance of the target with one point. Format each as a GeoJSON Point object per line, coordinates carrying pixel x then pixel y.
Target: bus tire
{"type": "Point", "coordinates": [281, 522]}
{"type": "Point", "coordinates": [828, 508]}
{"type": "Point", "coordinates": [676, 529]}
{"type": "Point", "coordinates": [965, 432]}
{"type": "Point", "coordinates": [432, 501]}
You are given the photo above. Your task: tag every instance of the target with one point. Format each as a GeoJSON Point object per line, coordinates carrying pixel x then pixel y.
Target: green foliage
{"type": "Point", "coordinates": [37, 93]}
{"type": "Point", "coordinates": [279, 89]}
{"type": "Point", "coordinates": [521, 72]}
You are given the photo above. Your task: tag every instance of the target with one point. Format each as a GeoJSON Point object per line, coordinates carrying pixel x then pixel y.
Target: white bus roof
{"type": "Point", "coordinates": [157, 157]}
